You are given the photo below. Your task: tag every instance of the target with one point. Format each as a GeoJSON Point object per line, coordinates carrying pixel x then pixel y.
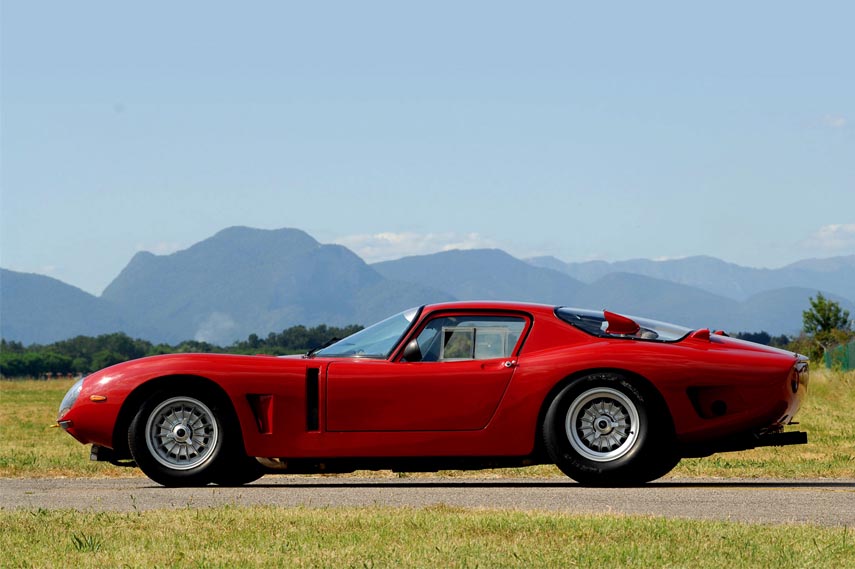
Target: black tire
{"type": "Point", "coordinates": [601, 430]}
{"type": "Point", "coordinates": [242, 470]}
{"type": "Point", "coordinates": [184, 438]}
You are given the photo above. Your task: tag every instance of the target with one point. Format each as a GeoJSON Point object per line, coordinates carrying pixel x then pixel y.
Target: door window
{"type": "Point", "coordinates": [455, 338]}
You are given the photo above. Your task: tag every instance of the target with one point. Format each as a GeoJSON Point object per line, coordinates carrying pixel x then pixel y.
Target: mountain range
{"type": "Point", "coordinates": [244, 280]}
{"type": "Point", "coordinates": [835, 275]}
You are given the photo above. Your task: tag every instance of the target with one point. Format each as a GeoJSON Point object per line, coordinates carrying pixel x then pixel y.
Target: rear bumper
{"type": "Point", "coordinates": [754, 403]}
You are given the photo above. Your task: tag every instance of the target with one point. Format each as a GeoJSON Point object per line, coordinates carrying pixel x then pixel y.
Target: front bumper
{"type": "Point", "coordinates": [104, 454]}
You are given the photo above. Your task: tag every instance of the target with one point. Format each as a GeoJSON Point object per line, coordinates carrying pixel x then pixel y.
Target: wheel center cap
{"type": "Point", "coordinates": [181, 433]}
{"type": "Point", "coordinates": [603, 425]}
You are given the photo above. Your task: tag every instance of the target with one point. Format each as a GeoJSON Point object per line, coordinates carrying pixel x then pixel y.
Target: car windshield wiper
{"type": "Point", "coordinates": [314, 350]}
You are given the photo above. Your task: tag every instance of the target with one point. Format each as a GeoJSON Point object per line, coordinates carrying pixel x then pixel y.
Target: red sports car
{"type": "Point", "coordinates": [609, 399]}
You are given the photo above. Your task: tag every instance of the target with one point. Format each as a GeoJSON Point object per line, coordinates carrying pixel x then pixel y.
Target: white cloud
{"type": "Point", "coordinates": [217, 328]}
{"type": "Point", "coordinates": [385, 246]}
{"type": "Point", "coordinates": [161, 248]}
{"type": "Point", "coordinates": [834, 121]}
{"type": "Point", "coordinates": [835, 238]}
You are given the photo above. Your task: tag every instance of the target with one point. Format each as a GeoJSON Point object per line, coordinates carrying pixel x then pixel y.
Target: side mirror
{"type": "Point", "coordinates": [412, 352]}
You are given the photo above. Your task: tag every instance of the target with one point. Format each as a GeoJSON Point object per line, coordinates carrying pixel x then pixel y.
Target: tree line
{"type": "Point", "coordinates": [763, 337]}
{"type": "Point", "coordinates": [85, 354]}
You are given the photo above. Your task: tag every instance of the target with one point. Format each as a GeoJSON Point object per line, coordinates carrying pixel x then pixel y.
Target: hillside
{"type": "Point", "coordinates": [483, 274]}
{"type": "Point", "coordinates": [777, 311]}
{"type": "Point", "coordinates": [39, 309]}
{"type": "Point", "coordinates": [640, 295]}
{"type": "Point", "coordinates": [835, 275]}
{"type": "Point", "coordinates": [243, 281]}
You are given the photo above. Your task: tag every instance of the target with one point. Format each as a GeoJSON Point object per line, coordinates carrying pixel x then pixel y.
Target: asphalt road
{"type": "Point", "coordinates": [821, 502]}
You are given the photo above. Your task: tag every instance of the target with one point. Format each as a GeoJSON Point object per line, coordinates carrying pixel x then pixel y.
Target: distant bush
{"type": "Point", "coordinates": [292, 340]}
{"type": "Point", "coordinates": [85, 354]}
{"type": "Point", "coordinates": [764, 338]}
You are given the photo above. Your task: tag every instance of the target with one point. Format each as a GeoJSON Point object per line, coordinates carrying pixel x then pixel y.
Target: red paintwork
{"type": "Point", "coordinates": [620, 324]}
{"type": "Point", "coordinates": [374, 408]}
{"type": "Point", "coordinates": [702, 334]}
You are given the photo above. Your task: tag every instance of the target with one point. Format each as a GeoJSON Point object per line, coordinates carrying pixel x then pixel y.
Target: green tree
{"type": "Point", "coordinates": [106, 358]}
{"type": "Point", "coordinates": [826, 324]}
{"type": "Point", "coordinates": [12, 364]}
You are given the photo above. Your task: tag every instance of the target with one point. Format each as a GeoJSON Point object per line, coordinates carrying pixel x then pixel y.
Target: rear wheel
{"type": "Point", "coordinates": [181, 439]}
{"type": "Point", "coordinates": [602, 430]}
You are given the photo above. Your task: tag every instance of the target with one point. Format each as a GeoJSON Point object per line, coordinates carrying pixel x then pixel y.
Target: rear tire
{"type": "Point", "coordinates": [602, 430]}
{"type": "Point", "coordinates": [183, 439]}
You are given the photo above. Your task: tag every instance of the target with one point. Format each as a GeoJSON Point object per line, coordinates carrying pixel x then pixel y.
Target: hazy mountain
{"type": "Point", "coordinates": [492, 274]}
{"type": "Point", "coordinates": [835, 275]}
{"type": "Point", "coordinates": [40, 309]}
{"type": "Point", "coordinates": [777, 311]}
{"type": "Point", "coordinates": [243, 281]}
{"type": "Point", "coordinates": [476, 275]}
{"type": "Point", "coordinates": [658, 299]}
{"type": "Point", "coordinates": [482, 274]}
{"type": "Point", "coordinates": [780, 311]}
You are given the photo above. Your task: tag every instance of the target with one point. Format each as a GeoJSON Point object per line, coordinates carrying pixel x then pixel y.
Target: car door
{"type": "Point", "coordinates": [466, 364]}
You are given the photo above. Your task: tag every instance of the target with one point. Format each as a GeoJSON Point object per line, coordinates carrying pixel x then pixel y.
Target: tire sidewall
{"type": "Point", "coordinates": [617, 471]}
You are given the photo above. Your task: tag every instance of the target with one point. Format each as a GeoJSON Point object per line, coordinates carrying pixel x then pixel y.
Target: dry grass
{"type": "Point", "coordinates": [387, 537]}
{"type": "Point", "coordinates": [29, 446]}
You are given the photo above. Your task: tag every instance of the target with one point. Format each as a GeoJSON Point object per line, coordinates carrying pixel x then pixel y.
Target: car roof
{"type": "Point", "coordinates": [490, 305]}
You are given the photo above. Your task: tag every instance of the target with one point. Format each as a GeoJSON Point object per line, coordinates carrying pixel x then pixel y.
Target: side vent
{"type": "Point", "coordinates": [312, 399]}
{"type": "Point", "coordinates": [262, 410]}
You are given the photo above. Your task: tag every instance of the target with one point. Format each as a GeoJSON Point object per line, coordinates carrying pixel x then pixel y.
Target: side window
{"type": "Point", "coordinates": [453, 338]}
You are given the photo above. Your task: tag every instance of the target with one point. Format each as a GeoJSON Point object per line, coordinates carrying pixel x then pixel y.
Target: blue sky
{"type": "Point", "coordinates": [608, 131]}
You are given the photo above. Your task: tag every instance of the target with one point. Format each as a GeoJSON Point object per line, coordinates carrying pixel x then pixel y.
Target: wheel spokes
{"type": "Point", "coordinates": [182, 433]}
{"type": "Point", "coordinates": [601, 424]}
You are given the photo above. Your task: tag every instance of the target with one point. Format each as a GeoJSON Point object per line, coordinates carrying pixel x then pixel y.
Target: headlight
{"type": "Point", "coordinates": [70, 398]}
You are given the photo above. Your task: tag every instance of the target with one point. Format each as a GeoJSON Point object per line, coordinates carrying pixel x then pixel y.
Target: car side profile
{"type": "Point", "coordinates": [610, 399]}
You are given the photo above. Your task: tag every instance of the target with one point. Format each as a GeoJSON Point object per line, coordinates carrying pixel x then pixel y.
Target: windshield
{"type": "Point", "coordinates": [594, 322]}
{"type": "Point", "coordinates": [376, 341]}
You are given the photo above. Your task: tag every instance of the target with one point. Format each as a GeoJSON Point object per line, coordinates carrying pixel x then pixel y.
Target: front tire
{"type": "Point", "coordinates": [602, 430]}
{"type": "Point", "coordinates": [181, 440]}
{"type": "Point", "coordinates": [242, 470]}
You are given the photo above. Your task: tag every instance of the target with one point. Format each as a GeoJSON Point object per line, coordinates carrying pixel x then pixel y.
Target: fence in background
{"type": "Point", "coordinates": [842, 357]}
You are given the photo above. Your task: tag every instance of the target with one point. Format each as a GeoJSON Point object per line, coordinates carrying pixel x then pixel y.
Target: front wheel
{"type": "Point", "coordinates": [179, 439]}
{"type": "Point", "coordinates": [602, 430]}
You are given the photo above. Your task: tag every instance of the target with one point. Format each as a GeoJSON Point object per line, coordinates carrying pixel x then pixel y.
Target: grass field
{"type": "Point", "coordinates": [387, 537]}
{"type": "Point", "coordinates": [234, 536]}
{"type": "Point", "coordinates": [29, 447]}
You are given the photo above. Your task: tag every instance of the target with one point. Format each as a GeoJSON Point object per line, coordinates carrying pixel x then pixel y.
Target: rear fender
{"type": "Point", "coordinates": [660, 409]}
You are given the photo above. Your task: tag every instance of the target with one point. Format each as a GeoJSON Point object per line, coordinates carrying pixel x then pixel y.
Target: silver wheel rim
{"type": "Point", "coordinates": [181, 433]}
{"type": "Point", "coordinates": [602, 424]}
